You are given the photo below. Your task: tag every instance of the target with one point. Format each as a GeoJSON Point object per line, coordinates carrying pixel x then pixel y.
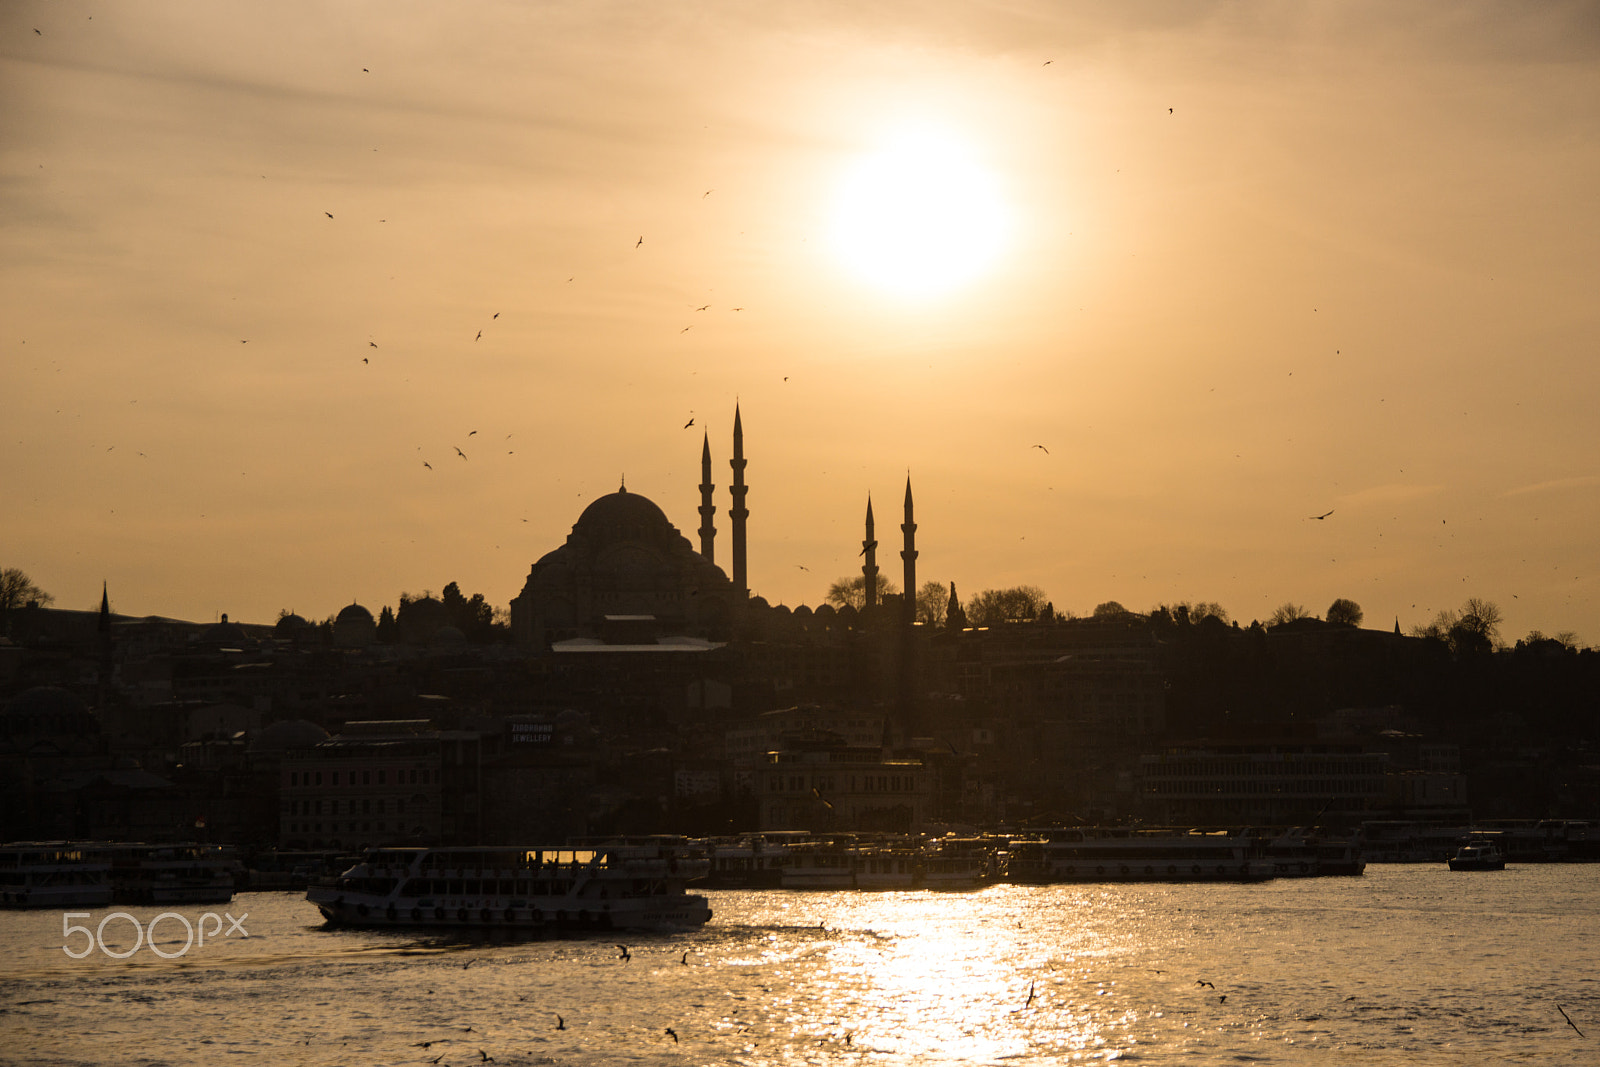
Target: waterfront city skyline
{"type": "Point", "coordinates": [315, 305]}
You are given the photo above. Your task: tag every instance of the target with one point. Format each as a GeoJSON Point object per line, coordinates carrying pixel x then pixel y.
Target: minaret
{"type": "Point", "coordinates": [103, 684]}
{"type": "Point", "coordinates": [708, 531]}
{"type": "Point", "coordinates": [869, 569]}
{"type": "Point", "coordinates": [909, 554]}
{"type": "Point", "coordinates": [738, 512]}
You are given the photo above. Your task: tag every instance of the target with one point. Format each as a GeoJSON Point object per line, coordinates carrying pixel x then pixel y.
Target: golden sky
{"type": "Point", "coordinates": [1252, 263]}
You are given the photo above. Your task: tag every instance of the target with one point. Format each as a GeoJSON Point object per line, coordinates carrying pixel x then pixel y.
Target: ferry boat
{"type": "Point", "coordinates": [532, 888]}
{"type": "Point", "coordinates": [185, 873]}
{"type": "Point", "coordinates": [1115, 854]}
{"type": "Point", "coordinates": [54, 874]}
{"type": "Point", "coordinates": [1300, 853]}
{"type": "Point", "coordinates": [1478, 856]}
{"type": "Point", "coordinates": [882, 866]}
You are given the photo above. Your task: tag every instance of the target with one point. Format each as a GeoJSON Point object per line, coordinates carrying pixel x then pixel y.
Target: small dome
{"type": "Point", "coordinates": [354, 613]}
{"type": "Point", "coordinates": [288, 734]}
{"type": "Point", "coordinates": [289, 625]}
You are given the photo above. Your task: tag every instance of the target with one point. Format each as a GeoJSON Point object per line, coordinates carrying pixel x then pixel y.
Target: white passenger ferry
{"type": "Point", "coordinates": [54, 874]}
{"type": "Point", "coordinates": [533, 888]}
{"type": "Point", "coordinates": [858, 866]}
{"type": "Point", "coordinates": [182, 873]}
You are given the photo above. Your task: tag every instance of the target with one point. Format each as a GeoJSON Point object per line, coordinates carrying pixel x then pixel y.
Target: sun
{"type": "Point", "coordinates": [920, 215]}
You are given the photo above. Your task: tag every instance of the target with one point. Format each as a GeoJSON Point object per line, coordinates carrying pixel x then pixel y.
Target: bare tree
{"type": "Point", "coordinates": [933, 599]}
{"type": "Point", "coordinates": [1345, 612]}
{"type": "Point", "coordinates": [1288, 612]}
{"type": "Point", "coordinates": [994, 606]}
{"type": "Point", "coordinates": [18, 591]}
{"type": "Point", "coordinates": [852, 592]}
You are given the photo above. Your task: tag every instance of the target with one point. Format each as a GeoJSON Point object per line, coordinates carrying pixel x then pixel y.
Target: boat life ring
{"type": "Point", "coordinates": [1124, 870]}
{"type": "Point", "coordinates": [1172, 868]}
{"type": "Point", "coordinates": [1149, 871]}
{"type": "Point", "coordinates": [1099, 870]}
{"type": "Point", "coordinates": [1221, 869]}
{"type": "Point", "coordinates": [1195, 869]}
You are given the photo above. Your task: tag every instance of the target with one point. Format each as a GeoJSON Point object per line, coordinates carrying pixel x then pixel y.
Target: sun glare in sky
{"type": "Point", "coordinates": [919, 216]}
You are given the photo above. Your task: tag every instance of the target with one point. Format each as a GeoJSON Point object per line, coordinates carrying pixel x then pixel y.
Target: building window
{"type": "Point", "coordinates": [366, 777]}
{"type": "Point", "coordinates": [383, 778]}
{"type": "Point", "coordinates": [294, 777]}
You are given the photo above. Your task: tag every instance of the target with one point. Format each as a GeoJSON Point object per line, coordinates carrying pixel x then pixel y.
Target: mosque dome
{"type": "Point", "coordinates": [288, 734]}
{"type": "Point", "coordinates": [623, 516]}
{"type": "Point", "coordinates": [290, 625]}
{"type": "Point", "coordinates": [354, 613]}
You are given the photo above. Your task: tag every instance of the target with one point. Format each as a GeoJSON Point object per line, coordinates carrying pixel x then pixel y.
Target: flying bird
{"type": "Point", "coordinates": [328, 213]}
{"type": "Point", "coordinates": [702, 307]}
{"type": "Point", "coordinates": [374, 344]}
{"type": "Point", "coordinates": [425, 463]}
{"type": "Point", "coordinates": [707, 193]}
{"type": "Point", "coordinates": [1030, 995]}
{"type": "Point", "coordinates": [473, 432]}
{"type": "Point", "coordinates": [364, 359]}
{"type": "Point", "coordinates": [1324, 515]}
{"type": "Point", "coordinates": [865, 547]}
{"type": "Point", "coordinates": [673, 1035]}
{"type": "Point", "coordinates": [1223, 999]}
{"type": "Point", "coordinates": [689, 423]}
{"type": "Point", "coordinates": [480, 334]}
{"type": "Point", "coordinates": [561, 1024]}
{"type": "Point", "coordinates": [1202, 981]}
{"type": "Point", "coordinates": [685, 960]}
{"type": "Point", "coordinates": [686, 329]}
{"type": "Point", "coordinates": [1567, 1017]}
{"type": "Point", "coordinates": [802, 566]}
{"type": "Point", "coordinates": [639, 242]}
{"type": "Point", "coordinates": [496, 315]}
{"type": "Point", "coordinates": [463, 455]}
{"type": "Point", "coordinates": [1043, 449]}
{"type": "Point", "coordinates": [626, 955]}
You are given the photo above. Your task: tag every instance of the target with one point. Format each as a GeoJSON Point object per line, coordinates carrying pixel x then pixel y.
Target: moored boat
{"type": "Point", "coordinates": [1478, 856]}
{"type": "Point", "coordinates": [1107, 854]}
{"type": "Point", "coordinates": [532, 888]}
{"type": "Point", "coordinates": [54, 874]}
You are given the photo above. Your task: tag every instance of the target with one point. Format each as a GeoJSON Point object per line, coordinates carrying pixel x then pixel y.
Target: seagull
{"type": "Point", "coordinates": [486, 1057]}
{"type": "Point", "coordinates": [1043, 449]}
{"type": "Point", "coordinates": [674, 1035]}
{"type": "Point", "coordinates": [374, 344]}
{"type": "Point", "coordinates": [689, 423]}
{"type": "Point", "coordinates": [639, 242]}
{"type": "Point", "coordinates": [496, 315]}
{"type": "Point", "coordinates": [686, 329]}
{"type": "Point", "coordinates": [1030, 995]}
{"type": "Point", "coordinates": [626, 955]}
{"type": "Point", "coordinates": [1223, 999]}
{"type": "Point", "coordinates": [463, 455]}
{"type": "Point", "coordinates": [561, 1024]}
{"type": "Point", "coordinates": [703, 307]}
{"type": "Point", "coordinates": [480, 334]}
{"type": "Point", "coordinates": [245, 342]}
{"type": "Point", "coordinates": [685, 960]}
{"type": "Point", "coordinates": [425, 463]}
{"type": "Point", "coordinates": [1567, 1017]}
{"type": "Point", "coordinates": [328, 213]}
{"type": "Point", "coordinates": [865, 547]}
{"type": "Point", "coordinates": [802, 566]}
{"type": "Point", "coordinates": [423, 1044]}
{"type": "Point", "coordinates": [470, 434]}
{"type": "Point", "coordinates": [1324, 515]}
{"type": "Point", "coordinates": [707, 193]}
{"type": "Point", "coordinates": [364, 359]}
{"type": "Point", "coordinates": [1202, 981]}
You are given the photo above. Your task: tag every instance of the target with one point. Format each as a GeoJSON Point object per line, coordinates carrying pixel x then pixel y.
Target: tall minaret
{"type": "Point", "coordinates": [708, 531]}
{"type": "Point", "coordinates": [869, 569]}
{"type": "Point", "coordinates": [909, 554]}
{"type": "Point", "coordinates": [738, 512]}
